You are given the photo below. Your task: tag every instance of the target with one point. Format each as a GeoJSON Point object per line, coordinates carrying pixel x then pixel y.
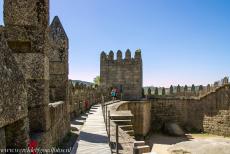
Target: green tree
{"type": "Point", "coordinates": [185, 88]}
{"type": "Point", "coordinates": [156, 91]}
{"type": "Point", "coordinates": [143, 92]}
{"type": "Point", "coordinates": [178, 88]}
{"type": "Point", "coordinates": [149, 91]}
{"type": "Point", "coordinates": [201, 88]}
{"type": "Point", "coordinates": [193, 89]}
{"type": "Point", "coordinates": [96, 80]}
{"type": "Point", "coordinates": [171, 89]}
{"type": "Point", "coordinates": [163, 91]}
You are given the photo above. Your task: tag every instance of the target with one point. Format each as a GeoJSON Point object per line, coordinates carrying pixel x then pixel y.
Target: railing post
{"type": "Point", "coordinates": [117, 151]}
{"type": "Point", "coordinates": [104, 111]}
{"type": "Point", "coordinates": [106, 117]}
{"type": "Point", "coordinates": [109, 126]}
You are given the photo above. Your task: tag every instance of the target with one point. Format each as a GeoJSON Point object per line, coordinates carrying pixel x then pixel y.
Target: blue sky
{"type": "Point", "coordinates": [182, 41]}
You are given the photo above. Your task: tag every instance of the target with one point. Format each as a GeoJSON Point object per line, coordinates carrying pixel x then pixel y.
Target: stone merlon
{"type": "Point", "coordinates": [57, 31]}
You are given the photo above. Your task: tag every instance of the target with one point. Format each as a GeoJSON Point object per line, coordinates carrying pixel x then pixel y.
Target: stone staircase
{"type": "Point", "coordinates": [139, 147]}
{"type": "Point", "coordinates": [124, 120]}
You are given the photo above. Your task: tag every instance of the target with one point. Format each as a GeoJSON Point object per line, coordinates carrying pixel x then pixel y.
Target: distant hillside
{"type": "Point", "coordinates": [82, 82]}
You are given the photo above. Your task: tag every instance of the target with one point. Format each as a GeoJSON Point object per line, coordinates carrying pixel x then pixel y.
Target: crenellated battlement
{"type": "Point", "coordinates": [109, 58]}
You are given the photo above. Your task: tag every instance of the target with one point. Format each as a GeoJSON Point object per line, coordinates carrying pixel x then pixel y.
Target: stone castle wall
{"type": "Point", "coordinates": [58, 81]}
{"type": "Point", "coordinates": [218, 124]}
{"type": "Point", "coordinates": [124, 74]}
{"type": "Point", "coordinates": [60, 122]}
{"type": "Point", "coordinates": [201, 114]}
{"type": "Point", "coordinates": [35, 74]}
{"type": "Point", "coordinates": [79, 94]}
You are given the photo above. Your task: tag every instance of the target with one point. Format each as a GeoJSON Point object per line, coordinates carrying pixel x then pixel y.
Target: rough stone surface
{"type": "Point", "coordinates": [201, 147]}
{"type": "Point", "coordinates": [58, 58]}
{"type": "Point", "coordinates": [17, 134]}
{"type": "Point", "coordinates": [209, 113]}
{"type": "Point", "coordinates": [173, 129]}
{"type": "Point", "coordinates": [13, 103]}
{"type": "Point", "coordinates": [33, 65]}
{"type": "Point", "coordinates": [28, 13]}
{"type": "Point", "coordinates": [141, 149]}
{"type": "Point", "coordinates": [142, 115]}
{"type": "Point", "coordinates": [39, 119]}
{"type": "Point", "coordinates": [26, 30]}
{"type": "Point", "coordinates": [37, 92]}
{"type": "Point", "coordinates": [218, 124]}
{"type": "Point", "coordinates": [40, 53]}
{"type": "Point", "coordinates": [79, 95]}
{"type": "Point", "coordinates": [59, 107]}
{"type": "Point", "coordinates": [125, 74]}
{"type": "Point", "coordinates": [60, 121]}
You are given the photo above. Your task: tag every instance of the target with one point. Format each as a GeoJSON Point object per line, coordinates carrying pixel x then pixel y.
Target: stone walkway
{"type": "Point", "coordinates": [93, 136]}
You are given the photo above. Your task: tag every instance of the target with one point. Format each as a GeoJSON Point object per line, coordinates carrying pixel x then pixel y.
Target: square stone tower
{"type": "Point", "coordinates": [123, 74]}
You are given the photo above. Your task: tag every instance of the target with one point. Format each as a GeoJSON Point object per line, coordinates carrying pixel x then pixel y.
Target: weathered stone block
{"type": "Point", "coordinates": [138, 143]}
{"type": "Point", "coordinates": [13, 103]}
{"type": "Point", "coordinates": [33, 65]}
{"type": "Point", "coordinates": [57, 111]}
{"type": "Point", "coordinates": [27, 40]}
{"type": "Point", "coordinates": [141, 149]}
{"type": "Point", "coordinates": [60, 130]}
{"type": "Point", "coordinates": [39, 118]}
{"type": "Point", "coordinates": [38, 92]}
{"type": "Point", "coordinates": [58, 80]}
{"type": "Point", "coordinates": [58, 68]}
{"type": "Point", "coordinates": [29, 13]}
{"type": "Point", "coordinates": [17, 134]}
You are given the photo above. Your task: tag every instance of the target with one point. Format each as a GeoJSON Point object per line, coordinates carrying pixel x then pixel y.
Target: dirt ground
{"type": "Point", "coordinates": [161, 143]}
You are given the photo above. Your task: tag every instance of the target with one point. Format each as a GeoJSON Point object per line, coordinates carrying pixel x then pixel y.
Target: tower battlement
{"type": "Point", "coordinates": [110, 58]}
{"type": "Point", "coordinates": [122, 73]}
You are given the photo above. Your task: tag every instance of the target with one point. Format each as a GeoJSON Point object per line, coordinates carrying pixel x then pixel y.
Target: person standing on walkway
{"type": "Point", "coordinates": [86, 105]}
{"type": "Point", "coordinates": [113, 93]}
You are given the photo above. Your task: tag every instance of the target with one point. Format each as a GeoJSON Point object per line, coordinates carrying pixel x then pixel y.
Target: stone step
{"type": "Point", "coordinates": [122, 122]}
{"type": "Point", "coordinates": [126, 127]}
{"type": "Point", "coordinates": [130, 132]}
{"type": "Point", "coordinates": [121, 117]}
{"type": "Point", "coordinates": [141, 149]}
{"type": "Point", "coordinates": [138, 143]}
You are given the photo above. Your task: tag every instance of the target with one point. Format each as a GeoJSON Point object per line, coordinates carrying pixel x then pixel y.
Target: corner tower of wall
{"type": "Point", "coordinates": [26, 25]}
